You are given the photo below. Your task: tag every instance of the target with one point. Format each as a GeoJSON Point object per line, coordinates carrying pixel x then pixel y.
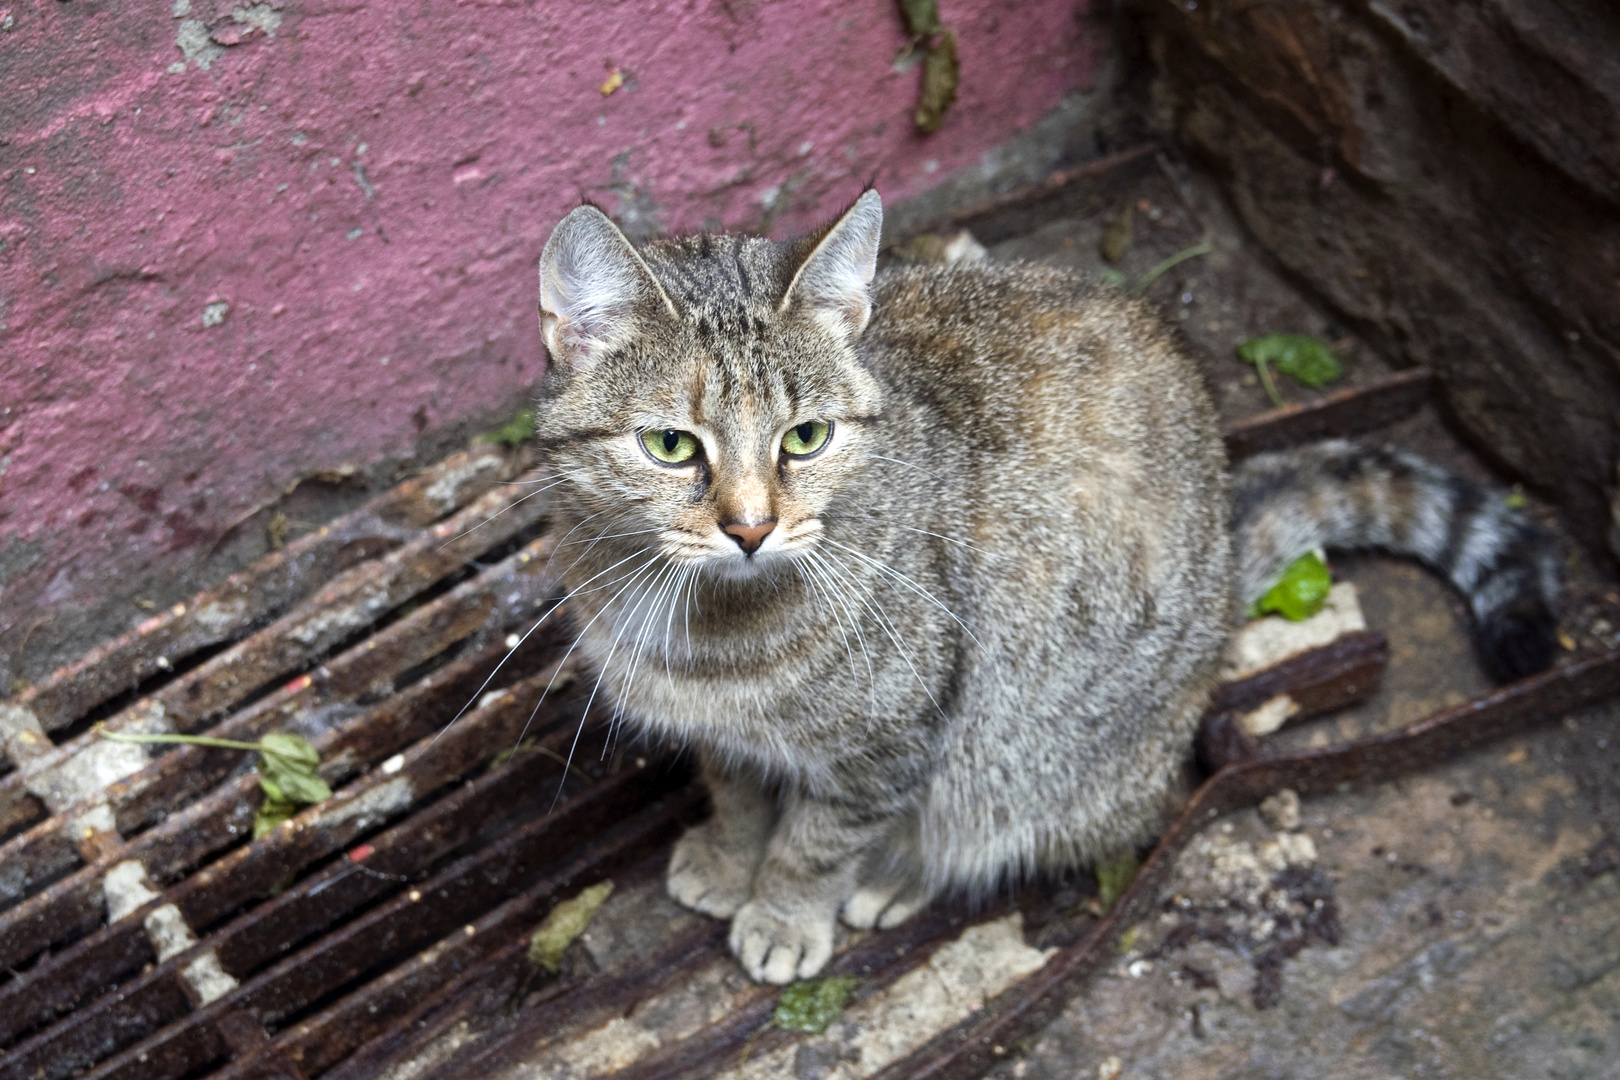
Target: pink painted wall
{"type": "Point", "coordinates": [240, 243]}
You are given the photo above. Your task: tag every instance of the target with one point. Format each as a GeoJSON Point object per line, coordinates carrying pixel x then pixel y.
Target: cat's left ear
{"type": "Point", "coordinates": [833, 284]}
{"type": "Point", "coordinates": [593, 288]}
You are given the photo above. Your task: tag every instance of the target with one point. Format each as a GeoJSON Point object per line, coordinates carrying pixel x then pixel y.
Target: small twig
{"type": "Point", "coordinates": [748, 1046]}
{"type": "Point", "coordinates": [1266, 381]}
{"type": "Point", "coordinates": [1163, 162]}
{"type": "Point", "coordinates": [35, 625]}
{"type": "Point", "coordinates": [544, 751]}
{"type": "Point", "coordinates": [1169, 264]}
{"type": "Point", "coordinates": [184, 740]}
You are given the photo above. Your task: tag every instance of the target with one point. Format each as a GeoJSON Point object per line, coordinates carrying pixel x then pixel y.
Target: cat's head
{"type": "Point", "coordinates": [704, 398]}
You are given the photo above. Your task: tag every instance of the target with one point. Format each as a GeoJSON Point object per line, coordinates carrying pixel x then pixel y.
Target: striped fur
{"type": "Point", "coordinates": [977, 640]}
{"type": "Point", "coordinates": [1344, 494]}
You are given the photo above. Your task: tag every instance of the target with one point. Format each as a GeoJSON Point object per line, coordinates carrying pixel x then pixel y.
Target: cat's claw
{"type": "Point", "coordinates": [776, 950]}
{"type": "Point", "coordinates": [708, 876]}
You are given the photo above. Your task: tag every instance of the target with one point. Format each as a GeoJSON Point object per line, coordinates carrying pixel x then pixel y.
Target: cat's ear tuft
{"type": "Point", "coordinates": [593, 285]}
{"type": "Point", "coordinates": [833, 284]}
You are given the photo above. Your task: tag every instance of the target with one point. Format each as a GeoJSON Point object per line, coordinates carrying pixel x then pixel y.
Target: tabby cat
{"type": "Point", "coordinates": [933, 568]}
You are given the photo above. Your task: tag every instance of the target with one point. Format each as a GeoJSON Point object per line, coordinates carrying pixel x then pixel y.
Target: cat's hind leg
{"type": "Point", "coordinates": [892, 884]}
{"type": "Point", "coordinates": [712, 867]}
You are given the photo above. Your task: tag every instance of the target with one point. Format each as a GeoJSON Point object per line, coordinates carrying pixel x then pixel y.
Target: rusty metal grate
{"type": "Point", "coordinates": [148, 937]}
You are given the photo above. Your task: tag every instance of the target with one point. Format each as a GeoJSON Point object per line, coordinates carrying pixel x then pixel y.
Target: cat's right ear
{"type": "Point", "coordinates": [593, 285]}
{"type": "Point", "coordinates": [833, 284]}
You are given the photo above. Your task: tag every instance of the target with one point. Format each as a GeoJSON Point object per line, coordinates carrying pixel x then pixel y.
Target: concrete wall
{"type": "Point", "coordinates": [242, 244]}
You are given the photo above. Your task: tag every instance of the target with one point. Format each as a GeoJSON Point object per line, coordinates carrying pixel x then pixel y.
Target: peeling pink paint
{"type": "Point", "coordinates": [255, 240]}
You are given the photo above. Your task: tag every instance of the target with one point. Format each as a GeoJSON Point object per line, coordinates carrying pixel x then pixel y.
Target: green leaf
{"type": "Point", "coordinates": [811, 1005]}
{"type": "Point", "coordinates": [515, 432]}
{"type": "Point", "coordinates": [1114, 876]}
{"type": "Point", "coordinates": [1112, 278]}
{"type": "Point", "coordinates": [271, 813]}
{"type": "Point", "coordinates": [295, 782]}
{"type": "Point", "coordinates": [1298, 355]}
{"type": "Point", "coordinates": [941, 73]}
{"type": "Point", "coordinates": [294, 749]}
{"type": "Point", "coordinates": [1301, 592]}
{"type": "Point", "coordinates": [565, 923]}
{"type": "Point", "coordinates": [922, 17]}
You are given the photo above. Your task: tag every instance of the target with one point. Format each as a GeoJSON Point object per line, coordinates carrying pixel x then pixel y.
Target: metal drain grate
{"type": "Point", "coordinates": [147, 936]}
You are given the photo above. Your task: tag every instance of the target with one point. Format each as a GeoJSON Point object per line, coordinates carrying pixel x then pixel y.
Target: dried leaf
{"type": "Point", "coordinates": [811, 1005]}
{"type": "Point", "coordinates": [276, 530]}
{"type": "Point", "coordinates": [922, 17]}
{"type": "Point", "coordinates": [1117, 236]}
{"type": "Point", "coordinates": [1301, 593]}
{"type": "Point", "coordinates": [926, 248]}
{"type": "Point", "coordinates": [941, 72]}
{"type": "Point", "coordinates": [1114, 876]}
{"type": "Point", "coordinates": [566, 922]}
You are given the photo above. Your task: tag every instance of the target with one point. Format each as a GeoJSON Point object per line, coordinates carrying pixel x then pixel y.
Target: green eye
{"type": "Point", "coordinates": [805, 439]}
{"type": "Point", "coordinates": [670, 447]}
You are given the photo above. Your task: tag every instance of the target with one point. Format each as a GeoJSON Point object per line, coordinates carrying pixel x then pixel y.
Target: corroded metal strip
{"type": "Point", "coordinates": [110, 955]}
{"type": "Point", "coordinates": [568, 1004]}
{"type": "Point", "coordinates": [1351, 411]}
{"type": "Point", "coordinates": [390, 932]}
{"type": "Point", "coordinates": [1340, 673]}
{"type": "Point", "coordinates": [971, 1049]}
{"type": "Point", "coordinates": [395, 1001]}
{"type": "Point", "coordinates": [316, 903]}
{"type": "Point", "coordinates": [483, 606]}
{"type": "Point", "coordinates": [265, 589]}
{"type": "Point", "coordinates": [355, 599]}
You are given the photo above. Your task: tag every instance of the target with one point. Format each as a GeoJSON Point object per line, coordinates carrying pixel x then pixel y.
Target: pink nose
{"type": "Point", "coordinates": [749, 537]}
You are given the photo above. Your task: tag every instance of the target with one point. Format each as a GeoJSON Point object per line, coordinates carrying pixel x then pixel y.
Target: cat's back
{"type": "Point", "coordinates": [1035, 369]}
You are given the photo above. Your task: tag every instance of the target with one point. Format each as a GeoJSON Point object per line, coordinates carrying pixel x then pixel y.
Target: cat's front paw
{"type": "Point", "coordinates": [708, 875]}
{"type": "Point", "coordinates": [884, 903]}
{"type": "Point", "coordinates": [778, 949]}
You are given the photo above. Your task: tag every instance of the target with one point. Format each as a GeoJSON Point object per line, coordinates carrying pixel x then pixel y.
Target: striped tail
{"type": "Point", "coordinates": [1343, 494]}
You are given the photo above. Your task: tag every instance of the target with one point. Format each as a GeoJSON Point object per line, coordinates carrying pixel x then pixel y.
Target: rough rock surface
{"type": "Point", "coordinates": [1448, 176]}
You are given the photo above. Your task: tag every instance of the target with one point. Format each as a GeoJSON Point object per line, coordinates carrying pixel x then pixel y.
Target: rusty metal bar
{"type": "Point", "coordinates": [264, 590]}
{"type": "Point", "coordinates": [414, 638]}
{"type": "Point", "coordinates": [970, 1049]}
{"type": "Point", "coordinates": [529, 782]}
{"type": "Point", "coordinates": [1351, 411]}
{"type": "Point", "coordinates": [568, 1003]}
{"type": "Point", "coordinates": [391, 1003]}
{"type": "Point", "coordinates": [484, 605]}
{"type": "Point", "coordinates": [1345, 671]}
{"type": "Point", "coordinates": [388, 933]}
{"type": "Point", "coordinates": [115, 951]}
{"type": "Point", "coordinates": [346, 605]}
